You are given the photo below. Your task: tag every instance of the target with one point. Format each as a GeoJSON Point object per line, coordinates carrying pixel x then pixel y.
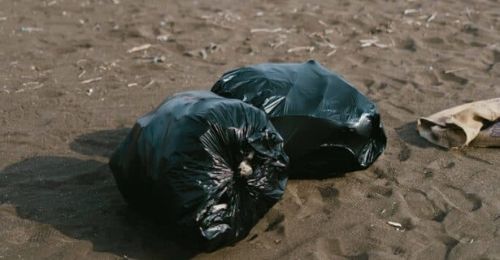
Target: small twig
{"type": "Point", "coordinates": [395, 224]}
{"type": "Point", "coordinates": [82, 73]}
{"type": "Point", "coordinates": [30, 29]}
{"type": "Point", "coordinates": [279, 41]}
{"type": "Point", "coordinates": [31, 83]}
{"type": "Point", "coordinates": [37, 86]}
{"type": "Point", "coordinates": [139, 48]}
{"type": "Point", "coordinates": [331, 53]}
{"type": "Point", "coordinates": [265, 30]}
{"type": "Point", "coordinates": [301, 48]}
{"type": "Point", "coordinates": [410, 11]}
{"type": "Point", "coordinates": [3, 18]}
{"type": "Point", "coordinates": [91, 80]}
{"type": "Point", "coordinates": [149, 84]}
{"type": "Point", "coordinates": [375, 42]}
{"type": "Point", "coordinates": [454, 70]}
{"type": "Point", "coordinates": [322, 23]}
{"type": "Point", "coordinates": [367, 42]}
{"type": "Point", "coordinates": [432, 17]}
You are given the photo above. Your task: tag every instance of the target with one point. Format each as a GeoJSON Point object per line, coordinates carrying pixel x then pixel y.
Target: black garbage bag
{"type": "Point", "coordinates": [210, 166]}
{"type": "Point", "coordinates": [328, 126]}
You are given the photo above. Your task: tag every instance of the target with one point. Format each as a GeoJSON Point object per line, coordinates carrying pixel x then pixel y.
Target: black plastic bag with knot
{"type": "Point", "coordinates": [210, 166]}
{"type": "Point", "coordinates": [329, 127]}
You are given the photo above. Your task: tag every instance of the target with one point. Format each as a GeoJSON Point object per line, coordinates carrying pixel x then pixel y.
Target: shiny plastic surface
{"type": "Point", "coordinates": [329, 127]}
{"type": "Point", "coordinates": [209, 165]}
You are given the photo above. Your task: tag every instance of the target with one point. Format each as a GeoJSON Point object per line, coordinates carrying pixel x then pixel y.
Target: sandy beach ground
{"type": "Point", "coordinates": [74, 76]}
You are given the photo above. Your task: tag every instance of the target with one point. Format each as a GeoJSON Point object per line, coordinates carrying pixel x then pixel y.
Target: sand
{"type": "Point", "coordinates": [74, 75]}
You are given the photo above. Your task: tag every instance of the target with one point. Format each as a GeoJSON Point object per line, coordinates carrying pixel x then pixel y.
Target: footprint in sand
{"type": "Point", "coordinates": [309, 199]}
{"type": "Point", "coordinates": [404, 153]}
{"type": "Point", "coordinates": [453, 77]}
{"type": "Point", "coordinates": [460, 199]}
{"type": "Point", "coordinates": [270, 228]}
{"type": "Point", "coordinates": [496, 60]}
{"type": "Point", "coordinates": [275, 219]}
{"type": "Point", "coordinates": [423, 207]}
{"type": "Point", "coordinates": [379, 191]}
{"type": "Point", "coordinates": [328, 193]}
{"type": "Point", "coordinates": [327, 248]}
{"type": "Point", "coordinates": [409, 44]}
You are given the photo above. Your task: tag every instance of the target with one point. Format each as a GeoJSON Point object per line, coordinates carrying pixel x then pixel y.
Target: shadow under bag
{"type": "Point", "coordinates": [210, 166]}
{"type": "Point", "coordinates": [328, 126]}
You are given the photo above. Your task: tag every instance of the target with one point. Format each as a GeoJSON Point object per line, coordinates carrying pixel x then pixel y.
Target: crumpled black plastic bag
{"type": "Point", "coordinates": [210, 166]}
{"type": "Point", "coordinates": [329, 127]}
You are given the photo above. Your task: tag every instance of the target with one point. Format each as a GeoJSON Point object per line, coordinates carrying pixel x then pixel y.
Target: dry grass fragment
{"type": "Point", "coordinates": [331, 53]}
{"type": "Point", "coordinates": [150, 83]}
{"type": "Point", "coordinates": [266, 30]}
{"type": "Point", "coordinates": [87, 81]}
{"type": "Point", "coordinates": [375, 42]}
{"type": "Point", "coordinates": [410, 11]}
{"type": "Point", "coordinates": [279, 41]}
{"type": "Point", "coordinates": [82, 73]}
{"type": "Point", "coordinates": [31, 29]}
{"type": "Point", "coordinates": [397, 225]}
{"type": "Point", "coordinates": [432, 17]}
{"type": "Point", "coordinates": [454, 70]}
{"type": "Point", "coordinates": [301, 48]}
{"type": "Point", "coordinates": [27, 86]}
{"type": "Point", "coordinates": [139, 48]}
